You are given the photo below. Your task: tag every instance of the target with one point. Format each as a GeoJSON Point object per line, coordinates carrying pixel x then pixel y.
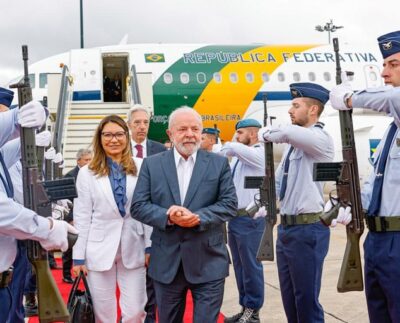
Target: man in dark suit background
{"type": "Point", "coordinates": [187, 195]}
{"type": "Point", "coordinates": [138, 123]}
{"type": "Point", "coordinates": [116, 89]}
{"type": "Point", "coordinates": [83, 157]}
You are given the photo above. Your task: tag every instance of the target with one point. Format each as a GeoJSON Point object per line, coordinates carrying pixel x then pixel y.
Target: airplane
{"type": "Point", "coordinates": [224, 83]}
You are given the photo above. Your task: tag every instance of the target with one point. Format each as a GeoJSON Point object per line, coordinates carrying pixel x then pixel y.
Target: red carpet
{"type": "Point", "coordinates": [65, 288]}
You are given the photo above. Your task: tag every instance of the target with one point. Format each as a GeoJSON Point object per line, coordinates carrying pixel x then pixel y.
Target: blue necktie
{"type": "Point", "coordinates": [285, 174]}
{"type": "Point", "coordinates": [6, 181]}
{"type": "Point", "coordinates": [375, 203]}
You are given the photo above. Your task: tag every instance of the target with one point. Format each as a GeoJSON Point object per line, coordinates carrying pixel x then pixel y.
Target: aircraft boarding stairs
{"type": "Point", "coordinates": [82, 121]}
{"type": "Point", "coordinates": [77, 121]}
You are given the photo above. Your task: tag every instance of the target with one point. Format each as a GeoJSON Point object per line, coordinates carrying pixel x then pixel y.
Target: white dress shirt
{"type": "Point", "coordinates": [184, 170]}
{"type": "Point", "coordinates": [135, 151]}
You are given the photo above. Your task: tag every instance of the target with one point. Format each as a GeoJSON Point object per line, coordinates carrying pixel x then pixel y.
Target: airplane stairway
{"type": "Point", "coordinates": [82, 121]}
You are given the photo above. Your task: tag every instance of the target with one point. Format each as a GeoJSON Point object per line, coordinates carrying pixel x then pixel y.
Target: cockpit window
{"type": "Point", "coordinates": [43, 80]}
{"type": "Point", "coordinates": [32, 80]}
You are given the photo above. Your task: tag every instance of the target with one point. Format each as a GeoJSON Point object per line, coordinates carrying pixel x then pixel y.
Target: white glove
{"type": "Point", "coordinates": [261, 133]}
{"type": "Point", "coordinates": [32, 115]}
{"type": "Point", "coordinates": [344, 214]}
{"type": "Point", "coordinates": [58, 212]}
{"type": "Point", "coordinates": [261, 213]}
{"type": "Point", "coordinates": [50, 153]}
{"type": "Point", "coordinates": [216, 148]}
{"type": "Point", "coordinates": [57, 239]}
{"type": "Point", "coordinates": [340, 93]}
{"type": "Point", "coordinates": [58, 158]}
{"type": "Point", "coordinates": [43, 138]}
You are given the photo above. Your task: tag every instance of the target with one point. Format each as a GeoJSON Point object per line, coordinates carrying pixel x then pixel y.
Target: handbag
{"type": "Point", "coordinates": [80, 305]}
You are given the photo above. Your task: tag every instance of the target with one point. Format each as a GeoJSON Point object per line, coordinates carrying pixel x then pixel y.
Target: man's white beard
{"type": "Point", "coordinates": [186, 150]}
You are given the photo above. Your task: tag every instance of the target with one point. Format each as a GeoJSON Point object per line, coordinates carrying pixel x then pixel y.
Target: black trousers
{"type": "Point", "coordinates": [151, 306]}
{"type": "Point", "coordinates": [67, 263]}
{"type": "Point", "coordinates": [171, 299]}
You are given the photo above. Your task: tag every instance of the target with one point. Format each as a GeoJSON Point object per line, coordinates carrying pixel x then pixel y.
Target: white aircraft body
{"type": "Point", "coordinates": [223, 83]}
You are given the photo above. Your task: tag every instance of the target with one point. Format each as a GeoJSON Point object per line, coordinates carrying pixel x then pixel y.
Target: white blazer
{"type": "Point", "coordinates": [101, 226]}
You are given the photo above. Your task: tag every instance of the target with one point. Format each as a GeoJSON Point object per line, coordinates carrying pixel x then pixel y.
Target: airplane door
{"type": "Point", "coordinates": [86, 71]}
{"type": "Point", "coordinates": [372, 76]}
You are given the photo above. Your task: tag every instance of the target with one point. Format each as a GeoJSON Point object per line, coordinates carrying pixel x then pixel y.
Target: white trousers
{"type": "Point", "coordinates": [132, 286]}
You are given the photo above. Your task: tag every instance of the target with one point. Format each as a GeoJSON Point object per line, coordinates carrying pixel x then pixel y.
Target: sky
{"type": "Point", "coordinates": [51, 27]}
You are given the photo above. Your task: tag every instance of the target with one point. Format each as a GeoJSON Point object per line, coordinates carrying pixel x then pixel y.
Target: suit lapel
{"type": "Point", "coordinates": [169, 169]}
{"type": "Point", "coordinates": [130, 186]}
{"type": "Point", "coordinates": [105, 185]}
{"type": "Point", "coordinates": [148, 148]}
{"type": "Point", "coordinates": [199, 170]}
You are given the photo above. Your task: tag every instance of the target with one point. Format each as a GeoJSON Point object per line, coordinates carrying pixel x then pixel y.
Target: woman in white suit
{"type": "Point", "coordinates": [111, 244]}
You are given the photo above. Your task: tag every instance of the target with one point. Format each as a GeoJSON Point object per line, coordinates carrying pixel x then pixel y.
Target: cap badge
{"type": "Point", "coordinates": [387, 46]}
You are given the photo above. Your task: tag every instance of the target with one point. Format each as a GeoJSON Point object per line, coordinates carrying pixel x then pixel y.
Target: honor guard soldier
{"type": "Point", "coordinates": [209, 138]}
{"type": "Point", "coordinates": [245, 233]}
{"type": "Point", "coordinates": [381, 192]}
{"type": "Point", "coordinates": [303, 240]}
{"type": "Point", "coordinates": [17, 222]}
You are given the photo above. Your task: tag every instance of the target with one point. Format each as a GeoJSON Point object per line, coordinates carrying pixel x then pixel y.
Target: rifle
{"type": "Point", "coordinates": [266, 185]}
{"type": "Point", "coordinates": [51, 304]}
{"type": "Point", "coordinates": [345, 174]}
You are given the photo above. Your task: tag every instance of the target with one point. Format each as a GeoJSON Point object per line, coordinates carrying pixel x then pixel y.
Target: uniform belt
{"type": "Point", "coordinates": [242, 212]}
{"type": "Point", "coordinates": [5, 278]}
{"type": "Point", "coordinates": [303, 218]}
{"type": "Point", "coordinates": [383, 223]}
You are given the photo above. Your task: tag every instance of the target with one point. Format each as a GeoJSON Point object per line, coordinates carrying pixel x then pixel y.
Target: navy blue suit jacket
{"type": "Point", "coordinates": [211, 194]}
{"type": "Point", "coordinates": [154, 147]}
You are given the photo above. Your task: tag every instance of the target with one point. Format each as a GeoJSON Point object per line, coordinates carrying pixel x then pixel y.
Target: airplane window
{"type": "Point", "coordinates": [281, 77]}
{"type": "Point", "coordinates": [234, 77]}
{"type": "Point", "coordinates": [311, 76]}
{"type": "Point", "coordinates": [249, 77]}
{"type": "Point", "coordinates": [185, 78]}
{"type": "Point", "coordinates": [217, 77]}
{"type": "Point", "coordinates": [327, 76]}
{"type": "Point", "coordinates": [168, 79]}
{"type": "Point", "coordinates": [296, 76]}
{"type": "Point", "coordinates": [265, 77]}
{"type": "Point", "coordinates": [32, 80]}
{"type": "Point", "coordinates": [373, 76]}
{"type": "Point", "coordinates": [201, 78]}
{"type": "Point", "coordinates": [43, 80]}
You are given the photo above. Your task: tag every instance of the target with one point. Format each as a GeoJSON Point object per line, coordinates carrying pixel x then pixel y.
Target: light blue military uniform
{"type": "Point", "coordinates": [301, 247]}
{"type": "Point", "coordinates": [382, 245]}
{"type": "Point", "coordinates": [16, 222]}
{"type": "Point", "coordinates": [244, 232]}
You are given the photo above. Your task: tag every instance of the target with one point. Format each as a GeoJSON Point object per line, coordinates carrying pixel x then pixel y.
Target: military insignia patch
{"type": "Point", "coordinates": [398, 142]}
{"type": "Point", "coordinates": [387, 46]}
{"type": "Point", "coordinates": [295, 93]}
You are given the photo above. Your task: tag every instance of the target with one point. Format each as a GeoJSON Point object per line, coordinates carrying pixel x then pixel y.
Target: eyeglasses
{"type": "Point", "coordinates": [108, 136]}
